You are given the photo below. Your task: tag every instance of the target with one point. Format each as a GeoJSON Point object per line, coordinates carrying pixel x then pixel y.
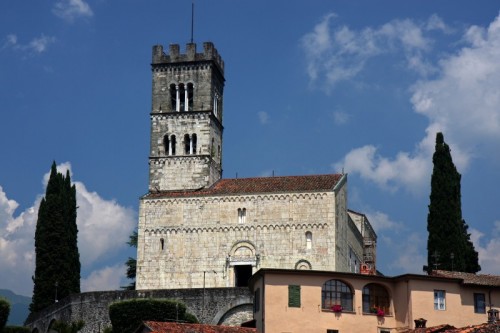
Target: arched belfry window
{"type": "Point", "coordinates": [166, 145]}
{"type": "Point", "coordinates": [216, 104]}
{"type": "Point", "coordinates": [336, 292]}
{"type": "Point", "coordinates": [187, 144]}
{"type": "Point", "coordinates": [173, 97]}
{"type": "Point", "coordinates": [375, 298]}
{"type": "Point", "coordinates": [194, 140]}
{"type": "Point", "coordinates": [309, 237]}
{"type": "Point", "coordinates": [182, 97]}
{"type": "Point", "coordinates": [172, 145]}
{"type": "Point", "coordinates": [189, 97]}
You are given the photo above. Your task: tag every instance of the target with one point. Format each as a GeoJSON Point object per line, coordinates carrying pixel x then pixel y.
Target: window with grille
{"type": "Point", "coordinates": [439, 300]}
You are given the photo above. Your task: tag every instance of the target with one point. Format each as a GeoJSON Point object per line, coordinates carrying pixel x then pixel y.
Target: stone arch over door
{"type": "Point", "coordinates": [241, 263]}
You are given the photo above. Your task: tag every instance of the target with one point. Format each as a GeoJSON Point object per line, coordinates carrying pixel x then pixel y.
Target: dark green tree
{"type": "Point", "coordinates": [449, 246]}
{"type": "Point", "coordinates": [57, 267]}
{"type": "Point", "coordinates": [131, 263]}
{"type": "Point", "coordinates": [4, 312]}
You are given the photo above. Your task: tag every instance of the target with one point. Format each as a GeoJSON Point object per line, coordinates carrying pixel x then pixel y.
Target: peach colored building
{"type": "Point", "coordinates": [334, 302]}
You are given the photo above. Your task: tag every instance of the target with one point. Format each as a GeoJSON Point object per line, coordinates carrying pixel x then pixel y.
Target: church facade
{"type": "Point", "coordinates": [199, 230]}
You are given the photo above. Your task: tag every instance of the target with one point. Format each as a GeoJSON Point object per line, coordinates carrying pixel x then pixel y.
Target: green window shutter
{"type": "Point", "coordinates": [294, 296]}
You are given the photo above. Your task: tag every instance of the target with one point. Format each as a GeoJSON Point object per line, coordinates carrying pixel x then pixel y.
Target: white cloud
{"type": "Point", "coordinates": [403, 170]}
{"type": "Point", "coordinates": [462, 101]}
{"type": "Point", "coordinates": [336, 54]}
{"type": "Point", "coordinates": [104, 227]}
{"type": "Point", "coordinates": [69, 10]}
{"type": "Point", "coordinates": [381, 221]}
{"type": "Point", "coordinates": [263, 117]}
{"type": "Point", "coordinates": [340, 117]}
{"type": "Point", "coordinates": [107, 278]}
{"type": "Point", "coordinates": [36, 45]}
{"type": "Point", "coordinates": [488, 254]}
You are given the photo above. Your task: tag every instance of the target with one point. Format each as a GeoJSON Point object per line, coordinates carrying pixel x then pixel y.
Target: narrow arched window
{"type": "Point", "coordinates": [166, 145]}
{"type": "Point", "coordinates": [173, 97]}
{"type": "Point", "coordinates": [336, 293]}
{"type": "Point", "coordinates": [309, 238]}
{"type": "Point", "coordinates": [190, 94]}
{"type": "Point", "coordinates": [212, 148]}
{"type": "Point", "coordinates": [187, 144]}
{"type": "Point", "coordinates": [194, 140]}
{"type": "Point", "coordinates": [242, 215]}
{"type": "Point", "coordinates": [376, 299]}
{"type": "Point", "coordinates": [173, 143]}
{"type": "Point", "coordinates": [162, 244]}
{"type": "Point", "coordinates": [182, 97]}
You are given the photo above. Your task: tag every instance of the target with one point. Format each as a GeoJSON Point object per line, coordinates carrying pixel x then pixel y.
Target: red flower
{"type": "Point", "coordinates": [337, 308]}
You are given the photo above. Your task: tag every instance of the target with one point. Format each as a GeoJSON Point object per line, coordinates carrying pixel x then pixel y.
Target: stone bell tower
{"type": "Point", "coordinates": [186, 119]}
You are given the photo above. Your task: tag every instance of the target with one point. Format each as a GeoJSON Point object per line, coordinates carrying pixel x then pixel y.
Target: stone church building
{"type": "Point", "coordinates": [199, 230]}
{"type": "Point", "coordinates": [200, 236]}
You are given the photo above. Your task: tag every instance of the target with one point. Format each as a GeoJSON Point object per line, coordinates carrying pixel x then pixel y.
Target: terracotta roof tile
{"type": "Point", "coordinates": [169, 327]}
{"type": "Point", "coordinates": [470, 278]}
{"type": "Point", "coordinates": [481, 328]}
{"type": "Point", "coordinates": [234, 186]}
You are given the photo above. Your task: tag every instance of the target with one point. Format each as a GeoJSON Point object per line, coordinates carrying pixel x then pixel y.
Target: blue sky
{"type": "Point", "coordinates": [312, 88]}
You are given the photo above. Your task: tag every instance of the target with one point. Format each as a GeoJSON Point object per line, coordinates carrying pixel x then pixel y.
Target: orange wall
{"type": "Point", "coordinates": [410, 299]}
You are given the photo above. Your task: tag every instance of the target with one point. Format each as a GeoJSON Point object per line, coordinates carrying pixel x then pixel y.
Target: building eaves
{"type": "Point", "coordinates": [258, 185]}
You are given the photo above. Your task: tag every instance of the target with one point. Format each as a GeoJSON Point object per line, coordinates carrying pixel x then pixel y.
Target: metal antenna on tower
{"type": "Point", "coordinates": [192, 21]}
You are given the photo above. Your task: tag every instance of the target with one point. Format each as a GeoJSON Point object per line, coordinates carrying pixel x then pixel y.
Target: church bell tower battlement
{"type": "Point", "coordinates": [186, 118]}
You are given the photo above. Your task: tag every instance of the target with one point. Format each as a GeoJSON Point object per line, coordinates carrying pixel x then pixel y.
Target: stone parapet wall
{"type": "Point", "coordinates": [210, 305]}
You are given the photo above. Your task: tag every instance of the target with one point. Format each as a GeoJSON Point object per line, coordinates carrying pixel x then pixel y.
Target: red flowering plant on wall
{"type": "Point", "coordinates": [380, 313]}
{"type": "Point", "coordinates": [337, 308]}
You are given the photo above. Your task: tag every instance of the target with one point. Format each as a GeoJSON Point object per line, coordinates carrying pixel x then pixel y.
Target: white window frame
{"type": "Point", "coordinates": [440, 300]}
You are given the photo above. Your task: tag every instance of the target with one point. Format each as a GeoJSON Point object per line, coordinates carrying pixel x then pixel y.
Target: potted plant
{"type": "Point", "coordinates": [337, 308]}
{"type": "Point", "coordinates": [380, 313]}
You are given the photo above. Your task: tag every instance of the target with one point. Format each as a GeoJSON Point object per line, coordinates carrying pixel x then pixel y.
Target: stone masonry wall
{"type": "Point", "coordinates": [211, 305]}
{"type": "Point", "coordinates": [204, 240]}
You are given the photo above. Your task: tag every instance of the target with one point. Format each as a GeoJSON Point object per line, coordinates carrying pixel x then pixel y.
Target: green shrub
{"type": "Point", "coordinates": [16, 329]}
{"type": "Point", "coordinates": [4, 312]}
{"type": "Point", "coordinates": [127, 316]}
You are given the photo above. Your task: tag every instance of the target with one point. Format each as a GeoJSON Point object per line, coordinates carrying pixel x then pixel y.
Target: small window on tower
{"type": "Point", "coordinates": [166, 145]}
{"type": "Point", "coordinates": [187, 144]}
{"type": "Point", "coordinates": [193, 143]}
{"type": "Point", "coordinates": [172, 145]}
{"type": "Point", "coordinates": [173, 97]}
{"type": "Point", "coordinates": [182, 97]}
{"type": "Point", "coordinates": [190, 96]}
{"type": "Point", "coordinates": [162, 244]}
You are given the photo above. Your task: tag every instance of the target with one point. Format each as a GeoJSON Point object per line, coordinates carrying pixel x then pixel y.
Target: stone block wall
{"type": "Point", "coordinates": [212, 305]}
{"type": "Point", "coordinates": [188, 242]}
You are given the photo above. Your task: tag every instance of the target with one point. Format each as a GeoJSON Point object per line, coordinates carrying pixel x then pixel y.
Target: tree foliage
{"type": "Point", "coordinates": [449, 246]}
{"type": "Point", "coordinates": [131, 263]}
{"type": "Point", "coordinates": [15, 329]}
{"type": "Point", "coordinates": [57, 268]}
{"type": "Point", "coordinates": [62, 327]}
{"type": "Point", "coordinates": [127, 316]}
{"type": "Point", "coordinates": [4, 312]}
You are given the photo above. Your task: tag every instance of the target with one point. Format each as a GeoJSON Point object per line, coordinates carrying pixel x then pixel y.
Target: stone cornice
{"type": "Point", "coordinates": [156, 115]}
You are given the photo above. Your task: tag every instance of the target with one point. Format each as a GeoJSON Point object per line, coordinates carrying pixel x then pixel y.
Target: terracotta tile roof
{"type": "Point", "coordinates": [481, 328]}
{"type": "Point", "coordinates": [470, 278]}
{"type": "Point", "coordinates": [168, 327]}
{"type": "Point", "coordinates": [234, 186]}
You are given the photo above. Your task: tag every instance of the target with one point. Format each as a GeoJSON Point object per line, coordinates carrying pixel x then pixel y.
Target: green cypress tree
{"type": "Point", "coordinates": [449, 246]}
{"type": "Point", "coordinates": [57, 268]}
